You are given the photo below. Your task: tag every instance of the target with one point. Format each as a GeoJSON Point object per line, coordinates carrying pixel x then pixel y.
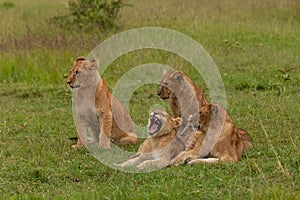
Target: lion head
{"type": "Point", "coordinates": [210, 112]}
{"type": "Point", "coordinates": [170, 82]}
{"type": "Point", "coordinates": [161, 123]}
{"type": "Point", "coordinates": [84, 73]}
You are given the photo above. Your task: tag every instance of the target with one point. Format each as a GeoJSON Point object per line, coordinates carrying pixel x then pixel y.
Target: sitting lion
{"type": "Point", "coordinates": [95, 108]}
{"type": "Point", "coordinates": [185, 96]}
{"type": "Point", "coordinates": [161, 146]}
{"type": "Point", "coordinates": [229, 145]}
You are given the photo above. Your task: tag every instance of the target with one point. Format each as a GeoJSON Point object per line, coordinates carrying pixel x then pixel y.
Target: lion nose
{"type": "Point", "coordinates": [158, 93]}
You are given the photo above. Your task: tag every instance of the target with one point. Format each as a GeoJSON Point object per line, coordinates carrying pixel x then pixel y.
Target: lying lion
{"type": "Point", "coordinates": [93, 108]}
{"type": "Point", "coordinates": [229, 146]}
{"type": "Point", "coordinates": [161, 146]}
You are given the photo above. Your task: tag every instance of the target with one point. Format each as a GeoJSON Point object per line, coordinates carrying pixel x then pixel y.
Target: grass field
{"type": "Point", "coordinates": [250, 41]}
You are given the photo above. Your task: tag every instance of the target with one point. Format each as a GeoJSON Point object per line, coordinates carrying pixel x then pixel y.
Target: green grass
{"type": "Point", "coordinates": [249, 41]}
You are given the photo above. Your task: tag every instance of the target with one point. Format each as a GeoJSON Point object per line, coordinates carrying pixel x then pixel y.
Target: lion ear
{"type": "Point", "coordinates": [94, 63]}
{"type": "Point", "coordinates": [80, 58]}
{"type": "Point", "coordinates": [213, 109]}
{"type": "Point", "coordinates": [164, 72]}
{"type": "Point", "coordinates": [178, 76]}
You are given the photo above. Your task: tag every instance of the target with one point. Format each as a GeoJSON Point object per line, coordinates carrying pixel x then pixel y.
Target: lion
{"type": "Point", "coordinates": [185, 96]}
{"type": "Point", "coordinates": [229, 146]}
{"type": "Point", "coordinates": [95, 108]}
{"type": "Point", "coordinates": [192, 138]}
{"type": "Point", "coordinates": [161, 145]}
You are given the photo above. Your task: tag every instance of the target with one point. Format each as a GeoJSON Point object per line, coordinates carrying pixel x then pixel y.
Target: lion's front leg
{"type": "Point", "coordinates": [179, 159]}
{"type": "Point", "coordinates": [203, 160]}
{"type": "Point", "coordinates": [157, 164]}
{"type": "Point", "coordinates": [96, 130]}
{"type": "Point", "coordinates": [106, 126]}
{"type": "Point", "coordinates": [183, 156]}
{"type": "Point", "coordinates": [157, 160]}
{"type": "Point", "coordinates": [79, 143]}
{"type": "Point", "coordinates": [135, 160]}
{"type": "Point", "coordinates": [82, 128]}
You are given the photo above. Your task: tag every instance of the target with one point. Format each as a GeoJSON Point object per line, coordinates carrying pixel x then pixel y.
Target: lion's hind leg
{"type": "Point", "coordinates": [226, 158]}
{"type": "Point", "coordinates": [204, 160]}
{"type": "Point", "coordinates": [106, 128]}
{"type": "Point", "coordinates": [135, 160]}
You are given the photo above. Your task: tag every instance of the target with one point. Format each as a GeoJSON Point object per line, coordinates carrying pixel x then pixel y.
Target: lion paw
{"type": "Point", "coordinates": [186, 161]}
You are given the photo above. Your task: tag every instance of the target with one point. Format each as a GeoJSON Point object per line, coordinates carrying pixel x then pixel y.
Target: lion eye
{"type": "Point", "coordinates": [77, 72]}
{"type": "Point", "coordinates": [165, 84]}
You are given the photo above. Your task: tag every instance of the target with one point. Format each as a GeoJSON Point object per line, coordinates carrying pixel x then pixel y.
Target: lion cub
{"type": "Point", "coordinates": [96, 108]}
{"type": "Point", "coordinates": [185, 96]}
{"type": "Point", "coordinates": [161, 145]}
{"type": "Point", "coordinates": [192, 138]}
{"type": "Point", "coordinates": [229, 145]}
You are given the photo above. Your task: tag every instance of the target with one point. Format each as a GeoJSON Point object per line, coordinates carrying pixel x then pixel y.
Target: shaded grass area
{"type": "Point", "coordinates": [249, 42]}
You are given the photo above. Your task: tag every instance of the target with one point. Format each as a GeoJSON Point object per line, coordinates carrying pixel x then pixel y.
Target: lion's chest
{"type": "Point", "coordinates": [89, 115]}
{"type": "Point", "coordinates": [159, 143]}
{"type": "Point", "coordinates": [86, 111]}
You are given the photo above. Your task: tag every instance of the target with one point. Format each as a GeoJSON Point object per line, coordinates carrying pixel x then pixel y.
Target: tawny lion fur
{"type": "Point", "coordinates": [185, 96]}
{"type": "Point", "coordinates": [229, 145]}
{"type": "Point", "coordinates": [159, 149]}
{"type": "Point", "coordinates": [96, 109]}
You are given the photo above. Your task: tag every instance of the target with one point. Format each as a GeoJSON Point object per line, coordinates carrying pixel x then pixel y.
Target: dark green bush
{"type": "Point", "coordinates": [87, 13]}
